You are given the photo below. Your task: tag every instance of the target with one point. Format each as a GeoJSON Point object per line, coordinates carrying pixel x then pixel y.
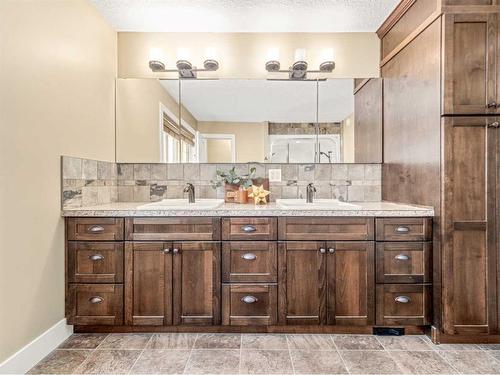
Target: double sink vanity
{"type": "Point", "coordinates": [326, 266]}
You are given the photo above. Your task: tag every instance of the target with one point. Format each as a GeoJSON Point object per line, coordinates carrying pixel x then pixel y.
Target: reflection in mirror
{"type": "Point", "coordinates": [265, 121]}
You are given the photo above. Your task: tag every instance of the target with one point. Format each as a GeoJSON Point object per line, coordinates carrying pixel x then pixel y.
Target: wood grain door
{"type": "Point", "coordinates": [351, 283]}
{"type": "Point", "coordinates": [302, 283]}
{"type": "Point", "coordinates": [148, 283]}
{"type": "Point", "coordinates": [471, 84]}
{"type": "Point", "coordinates": [197, 283]}
{"type": "Point", "coordinates": [470, 243]}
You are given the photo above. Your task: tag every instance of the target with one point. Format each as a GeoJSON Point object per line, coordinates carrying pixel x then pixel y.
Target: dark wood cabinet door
{"type": "Point", "coordinates": [197, 283]}
{"type": "Point", "coordinates": [148, 283]}
{"type": "Point", "coordinates": [470, 63]}
{"type": "Point", "coordinates": [302, 282]}
{"type": "Point", "coordinates": [351, 283]}
{"type": "Point", "coordinates": [469, 256]}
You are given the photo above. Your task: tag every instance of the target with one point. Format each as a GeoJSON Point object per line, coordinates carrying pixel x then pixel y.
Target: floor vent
{"type": "Point", "coordinates": [388, 331]}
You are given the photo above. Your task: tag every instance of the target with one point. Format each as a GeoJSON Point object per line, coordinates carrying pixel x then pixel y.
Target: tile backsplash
{"type": "Point", "coordinates": [89, 182]}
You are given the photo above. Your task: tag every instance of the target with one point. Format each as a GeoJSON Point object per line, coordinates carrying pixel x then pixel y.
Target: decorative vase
{"type": "Point", "coordinates": [230, 193]}
{"type": "Point", "coordinates": [241, 195]}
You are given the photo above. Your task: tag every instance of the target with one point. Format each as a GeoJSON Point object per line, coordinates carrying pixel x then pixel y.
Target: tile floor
{"type": "Point", "coordinates": [190, 353]}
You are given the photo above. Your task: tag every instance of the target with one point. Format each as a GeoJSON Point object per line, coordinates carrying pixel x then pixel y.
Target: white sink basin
{"type": "Point", "coordinates": [318, 204]}
{"type": "Point", "coordinates": [183, 204]}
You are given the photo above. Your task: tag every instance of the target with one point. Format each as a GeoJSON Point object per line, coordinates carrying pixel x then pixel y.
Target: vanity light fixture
{"type": "Point", "coordinates": [184, 67]}
{"type": "Point", "coordinates": [298, 70]}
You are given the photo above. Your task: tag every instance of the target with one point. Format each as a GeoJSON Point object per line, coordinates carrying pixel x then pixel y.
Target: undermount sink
{"type": "Point", "coordinates": [183, 204]}
{"type": "Point", "coordinates": [318, 204]}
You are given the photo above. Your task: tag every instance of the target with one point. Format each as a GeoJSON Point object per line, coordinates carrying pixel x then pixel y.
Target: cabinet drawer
{"type": "Point", "coordinates": [94, 304]}
{"type": "Point", "coordinates": [404, 262]}
{"type": "Point", "coordinates": [404, 229]}
{"type": "Point", "coordinates": [95, 262]}
{"type": "Point", "coordinates": [249, 261]}
{"type": "Point", "coordinates": [325, 229]}
{"type": "Point", "coordinates": [262, 228]}
{"type": "Point", "coordinates": [94, 229]}
{"type": "Point", "coordinates": [173, 228]}
{"type": "Point", "coordinates": [400, 304]}
{"type": "Point", "coordinates": [250, 304]}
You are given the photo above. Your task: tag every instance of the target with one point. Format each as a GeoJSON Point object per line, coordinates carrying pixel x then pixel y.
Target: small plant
{"type": "Point", "coordinates": [232, 178]}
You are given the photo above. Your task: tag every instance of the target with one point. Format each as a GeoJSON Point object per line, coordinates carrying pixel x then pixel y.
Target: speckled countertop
{"type": "Point", "coordinates": [366, 209]}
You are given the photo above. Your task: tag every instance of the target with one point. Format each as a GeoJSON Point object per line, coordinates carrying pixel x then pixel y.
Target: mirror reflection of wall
{"type": "Point", "coordinates": [265, 121]}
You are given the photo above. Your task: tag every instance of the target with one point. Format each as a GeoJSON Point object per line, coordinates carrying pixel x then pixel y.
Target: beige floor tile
{"type": "Point", "coordinates": [495, 354]}
{"type": "Point", "coordinates": [161, 362]}
{"type": "Point", "coordinates": [60, 362]}
{"type": "Point", "coordinates": [421, 362]}
{"type": "Point", "coordinates": [357, 342]}
{"type": "Point", "coordinates": [472, 362]}
{"type": "Point", "coordinates": [265, 362]}
{"type": "Point", "coordinates": [109, 362]}
{"type": "Point", "coordinates": [404, 343]}
{"type": "Point", "coordinates": [267, 341]}
{"type": "Point", "coordinates": [137, 341]}
{"type": "Point", "coordinates": [489, 346]}
{"type": "Point", "coordinates": [317, 362]}
{"type": "Point", "coordinates": [223, 361]}
{"type": "Point", "coordinates": [172, 341]}
{"type": "Point", "coordinates": [218, 341]}
{"type": "Point", "coordinates": [370, 362]}
{"type": "Point", "coordinates": [83, 341]}
{"type": "Point", "coordinates": [310, 342]}
{"type": "Point", "coordinates": [455, 347]}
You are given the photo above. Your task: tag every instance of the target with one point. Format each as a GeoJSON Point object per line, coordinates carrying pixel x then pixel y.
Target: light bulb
{"type": "Point", "coordinates": [155, 54]}
{"type": "Point", "coordinates": [300, 54]}
{"type": "Point", "coordinates": [273, 54]}
{"type": "Point", "coordinates": [326, 55]}
{"type": "Point", "coordinates": [210, 53]}
{"type": "Point", "coordinates": [183, 54]}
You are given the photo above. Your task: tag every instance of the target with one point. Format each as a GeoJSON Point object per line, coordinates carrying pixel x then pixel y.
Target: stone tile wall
{"type": "Point", "coordinates": [89, 182]}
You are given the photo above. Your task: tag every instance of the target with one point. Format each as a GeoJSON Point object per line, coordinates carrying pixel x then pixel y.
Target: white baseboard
{"type": "Point", "coordinates": [31, 354]}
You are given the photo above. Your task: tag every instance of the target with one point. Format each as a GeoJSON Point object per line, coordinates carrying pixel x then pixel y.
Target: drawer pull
{"type": "Point", "coordinates": [96, 228]}
{"type": "Point", "coordinates": [402, 229]}
{"type": "Point", "coordinates": [166, 251]}
{"type": "Point", "coordinates": [249, 256]}
{"type": "Point", "coordinates": [249, 299]}
{"type": "Point", "coordinates": [401, 257]}
{"type": "Point", "coordinates": [495, 124]}
{"type": "Point", "coordinates": [96, 299]}
{"type": "Point", "coordinates": [331, 250]}
{"type": "Point", "coordinates": [322, 251]}
{"type": "Point", "coordinates": [248, 228]}
{"type": "Point", "coordinates": [402, 299]}
{"type": "Point", "coordinates": [96, 257]}
{"type": "Point", "coordinates": [492, 105]}
{"type": "Point", "coordinates": [175, 251]}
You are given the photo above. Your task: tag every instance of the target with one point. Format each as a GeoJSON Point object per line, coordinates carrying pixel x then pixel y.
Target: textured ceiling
{"type": "Point", "coordinates": [245, 15]}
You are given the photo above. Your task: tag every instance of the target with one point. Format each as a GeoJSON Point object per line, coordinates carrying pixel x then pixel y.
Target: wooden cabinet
{"type": "Point", "coordinates": [95, 262]}
{"type": "Point", "coordinates": [172, 229]}
{"type": "Point", "coordinates": [404, 229]}
{"type": "Point", "coordinates": [94, 229]}
{"type": "Point", "coordinates": [172, 283]}
{"type": "Point", "coordinates": [471, 64]}
{"type": "Point", "coordinates": [326, 283]}
{"type": "Point", "coordinates": [249, 304]}
{"type": "Point", "coordinates": [94, 304]}
{"type": "Point", "coordinates": [249, 228]}
{"type": "Point", "coordinates": [471, 225]}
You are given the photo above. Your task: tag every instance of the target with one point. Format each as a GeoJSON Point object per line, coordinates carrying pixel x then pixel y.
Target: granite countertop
{"type": "Point", "coordinates": [366, 209]}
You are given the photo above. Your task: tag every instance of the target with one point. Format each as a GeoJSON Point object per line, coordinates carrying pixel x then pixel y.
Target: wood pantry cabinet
{"type": "Point", "coordinates": [264, 273]}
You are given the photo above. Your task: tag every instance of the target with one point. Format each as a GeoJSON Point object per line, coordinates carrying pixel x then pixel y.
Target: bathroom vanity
{"type": "Point", "coordinates": [132, 267]}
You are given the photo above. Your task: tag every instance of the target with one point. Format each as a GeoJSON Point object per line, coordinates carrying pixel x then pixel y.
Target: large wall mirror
{"type": "Point", "coordinates": [240, 121]}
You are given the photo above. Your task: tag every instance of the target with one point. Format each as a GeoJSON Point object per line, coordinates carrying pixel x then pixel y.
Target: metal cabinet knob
{"type": "Point", "coordinates": [96, 257]}
{"type": "Point", "coordinates": [249, 299]}
{"type": "Point", "coordinates": [248, 228]}
{"type": "Point", "coordinates": [322, 251]}
{"type": "Point", "coordinates": [175, 251]}
{"type": "Point", "coordinates": [166, 251]}
{"type": "Point", "coordinates": [96, 228]}
{"type": "Point", "coordinates": [494, 124]}
{"type": "Point", "coordinates": [249, 256]}
{"type": "Point", "coordinates": [96, 299]}
{"type": "Point", "coordinates": [402, 229]}
{"type": "Point", "coordinates": [492, 105]}
{"type": "Point", "coordinates": [331, 250]}
{"type": "Point", "coordinates": [401, 257]}
{"type": "Point", "coordinates": [402, 299]}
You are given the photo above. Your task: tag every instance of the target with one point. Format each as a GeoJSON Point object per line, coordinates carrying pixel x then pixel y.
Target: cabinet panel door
{"type": "Point", "coordinates": [470, 74]}
{"type": "Point", "coordinates": [148, 283]}
{"type": "Point", "coordinates": [197, 283]}
{"type": "Point", "coordinates": [469, 245]}
{"type": "Point", "coordinates": [351, 283]}
{"type": "Point", "coordinates": [302, 283]}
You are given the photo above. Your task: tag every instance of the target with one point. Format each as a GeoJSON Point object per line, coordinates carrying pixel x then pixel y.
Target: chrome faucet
{"type": "Point", "coordinates": [310, 190]}
{"type": "Point", "coordinates": [190, 190]}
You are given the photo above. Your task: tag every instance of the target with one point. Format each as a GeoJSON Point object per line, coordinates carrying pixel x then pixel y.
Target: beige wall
{"type": "Point", "coordinates": [251, 138]}
{"type": "Point", "coordinates": [138, 119]}
{"type": "Point", "coordinates": [57, 73]}
{"type": "Point", "coordinates": [243, 55]}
